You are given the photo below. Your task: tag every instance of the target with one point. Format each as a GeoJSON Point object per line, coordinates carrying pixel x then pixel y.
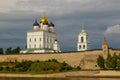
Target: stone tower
{"type": "Point", "coordinates": [105, 48]}
{"type": "Point", "coordinates": [82, 44]}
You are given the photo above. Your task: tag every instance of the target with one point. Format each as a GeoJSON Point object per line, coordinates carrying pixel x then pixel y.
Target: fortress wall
{"type": "Point", "coordinates": [112, 52]}
{"type": "Point", "coordinates": [72, 58]}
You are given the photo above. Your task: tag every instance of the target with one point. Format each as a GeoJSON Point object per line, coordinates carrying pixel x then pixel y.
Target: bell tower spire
{"type": "Point", "coordinates": [82, 44]}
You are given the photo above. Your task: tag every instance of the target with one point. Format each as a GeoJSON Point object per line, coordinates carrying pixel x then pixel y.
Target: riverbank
{"type": "Point", "coordinates": [92, 74]}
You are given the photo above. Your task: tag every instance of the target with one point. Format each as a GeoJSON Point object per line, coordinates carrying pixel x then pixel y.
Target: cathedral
{"type": "Point", "coordinates": [42, 38]}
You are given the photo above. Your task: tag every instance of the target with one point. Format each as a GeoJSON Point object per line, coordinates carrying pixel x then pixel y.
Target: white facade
{"type": "Point", "coordinates": [42, 38]}
{"type": "Point", "coordinates": [82, 44]}
{"type": "Point", "coordinates": [56, 46]}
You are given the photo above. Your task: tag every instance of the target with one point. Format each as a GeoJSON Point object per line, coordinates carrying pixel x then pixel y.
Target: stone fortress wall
{"type": "Point", "coordinates": [86, 59]}
{"type": "Point", "coordinates": [72, 58]}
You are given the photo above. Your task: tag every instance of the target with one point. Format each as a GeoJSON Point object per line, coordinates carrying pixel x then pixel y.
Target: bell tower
{"type": "Point", "coordinates": [105, 48]}
{"type": "Point", "coordinates": [82, 44]}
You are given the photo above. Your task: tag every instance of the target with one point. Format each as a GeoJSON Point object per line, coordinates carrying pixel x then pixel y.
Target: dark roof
{"type": "Point", "coordinates": [35, 23]}
{"type": "Point", "coordinates": [55, 39]}
{"type": "Point", "coordinates": [45, 23]}
{"type": "Point", "coordinates": [51, 24]}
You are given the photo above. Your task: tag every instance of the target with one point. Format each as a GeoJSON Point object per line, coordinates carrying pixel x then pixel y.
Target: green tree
{"type": "Point", "coordinates": [114, 61]}
{"type": "Point", "coordinates": [118, 62]}
{"type": "Point", "coordinates": [8, 50]}
{"type": "Point", "coordinates": [101, 62]}
{"type": "Point", "coordinates": [108, 62]}
{"type": "Point", "coordinates": [16, 50]}
{"type": "Point", "coordinates": [1, 50]}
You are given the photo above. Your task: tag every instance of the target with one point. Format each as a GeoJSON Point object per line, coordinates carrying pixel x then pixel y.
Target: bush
{"type": "Point", "coordinates": [1, 68]}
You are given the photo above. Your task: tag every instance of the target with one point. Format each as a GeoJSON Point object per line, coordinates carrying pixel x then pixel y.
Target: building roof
{"type": "Point", "coordinates": [104, 42]}
{"type": "Point", "coordinates": [51, 24]}
{"type": "Point", "coordinates": [43, 19]}
{"type": "Point", "coordinates": [35, 23]}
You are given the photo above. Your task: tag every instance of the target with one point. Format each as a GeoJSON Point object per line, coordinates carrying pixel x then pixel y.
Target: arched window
{"type": "Point", "coordinates": [40, 39]}
{"type": "Point", "coordinates": [82, 39]}
{"type": "Point", "coordinates": [35, 39]}
{"type": "Point", "coordinates": [30, 39]}
{"type": "Point", "coordinates": [83, 46]}
{"type": "Point", "coordinates": [79, 46]}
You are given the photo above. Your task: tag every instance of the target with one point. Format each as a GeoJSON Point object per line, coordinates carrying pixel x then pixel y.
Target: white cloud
{"type": "Point", "coordinates": [113, 30]}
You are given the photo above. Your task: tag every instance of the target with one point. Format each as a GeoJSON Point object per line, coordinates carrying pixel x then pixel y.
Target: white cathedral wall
{"type": "Point", "coordinates": [49, 39]}
{"type": "Point", "coordinates": [36, 27]}
{"type": "Point", "coordinates": [45, 27]}
{"type": "Point", "coordinates": [40, 39]}
{"type": "Point", "coordinates": [34, 39]}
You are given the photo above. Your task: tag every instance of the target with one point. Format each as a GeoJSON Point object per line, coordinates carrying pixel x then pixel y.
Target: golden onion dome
{"type": "Point", "coordinates": [43, 19]}
{"type": "Point", "coordinates": [104, 42]}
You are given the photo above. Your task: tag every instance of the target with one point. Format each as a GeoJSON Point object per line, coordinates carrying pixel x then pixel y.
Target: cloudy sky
{"type": "Point", "coordinates": [101, 18]}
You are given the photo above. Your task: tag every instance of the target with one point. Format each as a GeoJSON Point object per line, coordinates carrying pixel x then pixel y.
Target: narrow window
{"type": "Point", "coordinates": [83, 46]}
{"type": "Point", "coordinates": [35, 39]}
{"type": "Point", "coordinates": [82, 39]}
{"type": "Point", "coordinates": [79, 46]}
{"type": "Point", "coordinates": [30, 39]}
{"type": "Point", "coordinates": [40, 39]}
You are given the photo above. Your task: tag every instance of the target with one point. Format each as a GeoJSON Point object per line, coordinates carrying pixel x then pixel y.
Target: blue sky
{"type": "Point", "coordinates": [101, 18]}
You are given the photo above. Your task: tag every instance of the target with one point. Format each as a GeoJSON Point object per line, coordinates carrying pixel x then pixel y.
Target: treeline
{"type": "Point", "coordinates": [48, 66]}
{"type": "Point", "coordinates": [10, 50]}
{"type": "Point", "coordinates": [111, 63]}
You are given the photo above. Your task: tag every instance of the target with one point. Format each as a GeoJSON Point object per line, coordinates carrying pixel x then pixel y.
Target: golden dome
{"type": "Point", "coordinates": [43, 19]}
{"type": "Point", "coordinates": [104, 42]}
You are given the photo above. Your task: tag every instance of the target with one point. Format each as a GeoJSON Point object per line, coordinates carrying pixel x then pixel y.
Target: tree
{"type": "Point", "coordinates": [114, 61]}
{"type": "Point", "coordinates": [108, 62]}
{"type": "Point", "coordinates": [8, 50]}
{"type": "Point", "coordinates": [16, 50]}
{"type": "Point", "coordinates": [101, 62]}
{"type": "Point", "coordinates": [1, 51]}
{"type": "Point", "coordinates": [118, 62]}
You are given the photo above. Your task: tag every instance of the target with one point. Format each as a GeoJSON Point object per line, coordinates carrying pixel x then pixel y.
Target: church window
{"type": "Point", "coordinates": [30, 39]}
{"type": "Point", "coordinates": [82, 39]}
{"type": "Point", "coordinates": [47, 40]}
{"type": "Point", "coordinates": [44, 39]}
{"type": "Point", "coordinates": [35, 39]}
{"type": "Point", "coordinates": [79, 46]}
{"type": "Point", "coordinates": [83, 46]}
{"type": "Point", "coordinates": [40, 39]}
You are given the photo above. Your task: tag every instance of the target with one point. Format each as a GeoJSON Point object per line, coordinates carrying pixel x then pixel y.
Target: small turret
{"type": "Point", "coordinates": [51, 26]}
{"type": "Point", "coordinates": [35, 25]}
{"type": "Point", "coordinates": [105, 48]}
{"type": "Point", "coordinates": [45, 26]}
{"type": "Point", "coordinates": [56, 46]}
